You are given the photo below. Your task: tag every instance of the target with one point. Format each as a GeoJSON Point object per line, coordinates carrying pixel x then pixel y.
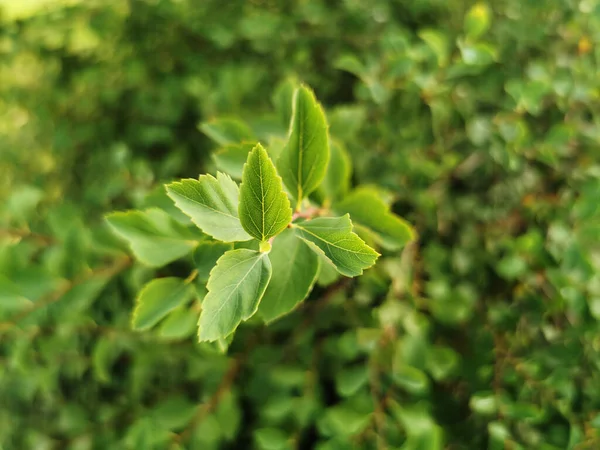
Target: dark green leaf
{"type": "Point", "coordinates": [297, 268]}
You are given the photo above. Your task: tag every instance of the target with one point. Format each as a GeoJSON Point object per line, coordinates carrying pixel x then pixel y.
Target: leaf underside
{"type": "Point", "coordinates": [212, 204]}
{"type": "Point", "coordinates": [235, 288]}
{"type": "Point", "coordinates": [153, 236]}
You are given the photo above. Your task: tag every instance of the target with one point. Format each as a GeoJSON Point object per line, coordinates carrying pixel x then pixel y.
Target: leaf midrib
{"type": "Point", "coordinates": [331, 243]}
{"type": "Point", "coordinates": [218, 311]}
{"type": "Point", "coordinates": [185, 197]}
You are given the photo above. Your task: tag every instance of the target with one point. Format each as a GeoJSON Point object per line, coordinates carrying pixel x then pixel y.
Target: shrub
{"type": "Point", "coordinates": [474, 122]}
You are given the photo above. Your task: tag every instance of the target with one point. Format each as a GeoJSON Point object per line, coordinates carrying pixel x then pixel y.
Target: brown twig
{"type": "Point", "coordinates": [379, 410]}
{"type": "Point", "coordinates": [380, 400]}
{"type": "Point", "coordinates": [27, 234]}
{"type": "Point", "coordinates": [232, 372]}
{"type": "Point", "coordinates": [309, 213]}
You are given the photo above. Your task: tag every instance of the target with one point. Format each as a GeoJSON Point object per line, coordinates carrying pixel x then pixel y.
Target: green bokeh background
{"type": "Point", "coordinates": [479, 122]}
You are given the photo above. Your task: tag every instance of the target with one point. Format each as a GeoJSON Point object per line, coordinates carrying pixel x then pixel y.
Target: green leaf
{"type": "Point", "coordinates": [235, 288]}
{"type": "Point", "coordinates": [478, 54]}
{"type": "Point", "coordinates": [344, 420]}
{"type": "Point", "coordinates": [231, 158]}
{"type": "Point", "coordinates": [227, 131]}
{"type": "Point", "coordinates": [206, 255]}
{"type": "Point", "coordinates": [303, 162]}
{"type": "Point", "coordinates": [484, 403]}
{"type": "Point", "coordinates": [438, 42]}
{"type": "Point", "coordinates": [367, 209]}
{"type": "Point", "coordinates": [442, 362]}
{"type": "Point", "coordinates": [106, 350]}
{"type": "Point", "coordinates": [327, 274]}
{"type": "Point", "coordinates": [298, 267]}
{"type": "Point", "coordinates": [351, 64]}
{"type": "Point", "coordinates": [333, 238]}
{"type": "Point", "coordinates": [477, 20]}
{"type": "Point", "coordinates": [349, 380]}
{"type": "Point", "coordinates": [174, 412]}
{"type": "Point", "coordinates": [283, 99]}
{"type": "Point", "coordinates": [179, 324]}
{"type": "Point", "coordinates": [157, 299]}
{"type": "Point", "coordinates": [212, 204]}
{"type": "Point", "coordinates": [411, 379]}
{"type": "Point", "coordinates": [228, 414]}
{"type": "Point", "coordinates": [12, 299]}
{"type": "Point", "coordinates": [270, 439]}
{"type": "Point", "coordinates": [153, 236]}
{"type": "Point", "coordinates": [337, 178]}
{"type": "Point", "coordinates": [422, 431]}
{"type": "Point", "coordinates": [264, 207]}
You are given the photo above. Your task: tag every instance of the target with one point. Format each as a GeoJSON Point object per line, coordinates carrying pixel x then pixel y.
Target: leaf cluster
{"type": "Point", "coordinates": [248, 227]}
{"type": "Point", "coordinates": [474, 122]}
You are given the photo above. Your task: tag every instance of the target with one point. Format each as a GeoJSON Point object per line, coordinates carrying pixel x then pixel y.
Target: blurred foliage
{"type": "Point", "coordinates": [478, 122]}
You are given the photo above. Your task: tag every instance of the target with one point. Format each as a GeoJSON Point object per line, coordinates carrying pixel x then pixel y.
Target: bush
{"type": "Point", "coordinates": [476, 123]}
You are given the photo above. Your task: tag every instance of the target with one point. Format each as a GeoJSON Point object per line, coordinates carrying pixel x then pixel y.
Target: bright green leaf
{"type": "Point", "coordinates": [438, 42]}
{"type": "Point", "coordinates": [478, 54]}
{"type": "Point", "coordinates": [484, 403]}
{"type": "Point", "coordinates": [303, 162]}
{"type": "Point", "coordinates": [367, 209]}
{"type": "Point", "coordinates": [212, 204]}
{"type": "Point", "coordinates": [264, 207]}
{"type": "Point", "coordinates": [157, 298]}
{"type": "Point", "coordinates": [235, 288]}
{"type": "Point", "coordinates": [333, 238]}
{"type": "Point", "coordinates": [477, 20]}
{"type": "Point", "coordinates": [411, 379]}
{"type": "Point", "coordinates": [297, 269]}
{"type": "Point", "coordinates": [155, 238]}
